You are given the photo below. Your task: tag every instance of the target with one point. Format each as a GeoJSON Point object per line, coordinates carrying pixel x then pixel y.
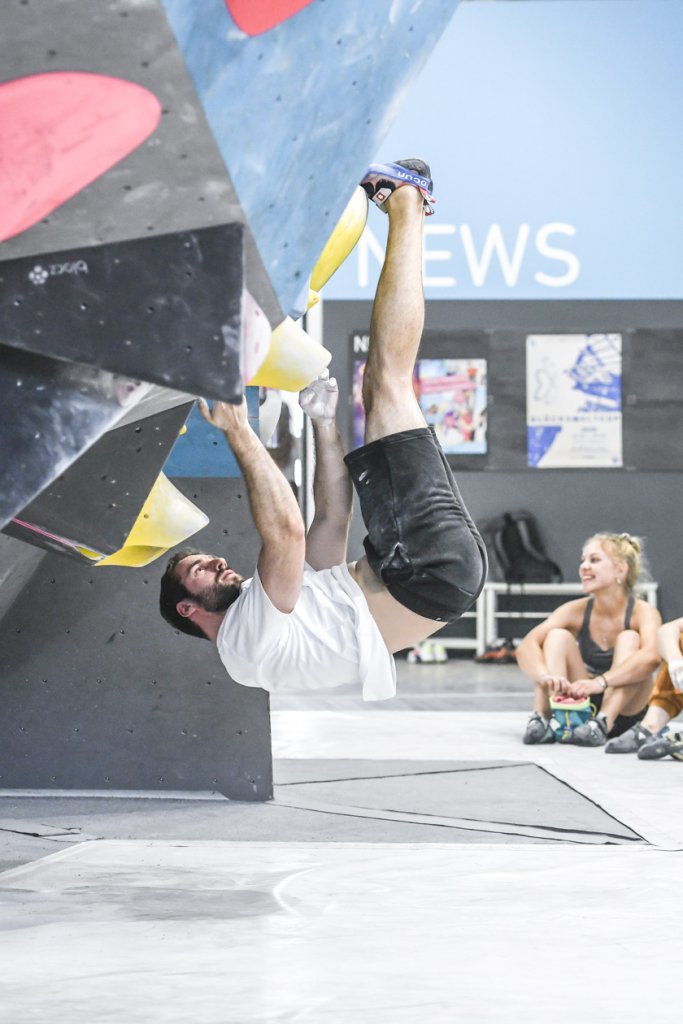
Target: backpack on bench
{"type": "Point", "coordinates": [516, 547]}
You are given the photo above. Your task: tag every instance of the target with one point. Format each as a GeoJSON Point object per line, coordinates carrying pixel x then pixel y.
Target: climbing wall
{"type": "Point", "coordinates": [322, 83]}
{"type": "Point", "coordinates": [171, 172]}
{"type": "Point", "coordinates": [124, 250]}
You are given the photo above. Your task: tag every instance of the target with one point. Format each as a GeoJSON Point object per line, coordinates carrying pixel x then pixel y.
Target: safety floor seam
{"type": "Point", "coordinates": [402, 775]}
{"type": "Point", "coordinates": [583, 796]}
{"type": "Point", "coordinates": [556, 833]}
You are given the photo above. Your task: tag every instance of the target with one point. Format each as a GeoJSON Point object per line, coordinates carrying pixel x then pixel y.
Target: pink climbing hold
{"type": "Point", "coordinates": [61, 130]}
{"type": "Point", "coordinates": [257, 16]}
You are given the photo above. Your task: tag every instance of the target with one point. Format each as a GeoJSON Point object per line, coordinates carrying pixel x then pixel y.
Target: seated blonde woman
{"type": "Point", "coordinates": [603, 645]}
{"type": "Point", "coordinates": [652, 738]}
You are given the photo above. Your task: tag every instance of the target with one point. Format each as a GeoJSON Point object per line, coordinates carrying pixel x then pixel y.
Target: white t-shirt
{"type": "Point", "coordinates": [328, 639]}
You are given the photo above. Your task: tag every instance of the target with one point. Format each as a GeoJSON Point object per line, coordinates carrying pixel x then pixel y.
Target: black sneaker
{"type": "Point", "coordinates": [381, 180]}
{"type": "Point", "coordinates": [664, 742]}
{"type": "Point", "coordinates": [538, 730]}
{"type": "Point", "coordinates": [630, 741]}
{"type": "Point", "coordinates": [592, 733]}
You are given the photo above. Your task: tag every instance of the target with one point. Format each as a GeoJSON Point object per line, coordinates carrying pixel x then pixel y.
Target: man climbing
{"type": "Point", "coordinates": [307, 616]}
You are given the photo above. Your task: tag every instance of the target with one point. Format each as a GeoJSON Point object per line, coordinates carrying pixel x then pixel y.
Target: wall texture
{"type": "Point", "coordinates": [98, 692]}
{"type": "Point", "coordinates": [570, 504]}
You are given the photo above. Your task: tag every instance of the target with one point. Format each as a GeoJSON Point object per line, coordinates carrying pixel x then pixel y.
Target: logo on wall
{"type": "Point", "coordinates": [39, 274]}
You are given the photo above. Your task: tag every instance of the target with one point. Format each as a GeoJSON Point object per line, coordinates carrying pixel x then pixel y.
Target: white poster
{"type": "Point", "coordinates": [573, 400]}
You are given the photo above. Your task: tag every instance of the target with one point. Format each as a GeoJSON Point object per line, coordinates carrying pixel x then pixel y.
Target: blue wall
{"type": "Point", "coordinates": [298, 111]}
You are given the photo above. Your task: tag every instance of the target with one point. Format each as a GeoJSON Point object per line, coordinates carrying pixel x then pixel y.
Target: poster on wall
{"type": "Point", "coordinates": [452, 394]}
{"type": "Point", "coordinates": [574, 415]}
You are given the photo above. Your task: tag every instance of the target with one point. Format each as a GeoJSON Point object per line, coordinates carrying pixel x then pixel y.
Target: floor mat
{"type": "Point", "coordinates": [505, 798]}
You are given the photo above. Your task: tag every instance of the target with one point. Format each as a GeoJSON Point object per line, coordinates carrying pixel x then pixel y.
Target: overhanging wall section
{"type": "Point", "coordinates": [100, 693]}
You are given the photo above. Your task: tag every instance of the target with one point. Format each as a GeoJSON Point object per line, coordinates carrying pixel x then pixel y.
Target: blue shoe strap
{"type": "Point", "coordinates": [398, 173]}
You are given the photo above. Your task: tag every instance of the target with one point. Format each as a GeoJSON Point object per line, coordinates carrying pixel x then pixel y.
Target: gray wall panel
{"type": "Point", "coordinates": [99, 692]}
{"type": "Point", "coordinates": [18, 562]}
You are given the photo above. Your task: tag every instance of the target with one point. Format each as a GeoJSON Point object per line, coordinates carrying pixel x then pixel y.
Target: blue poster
{"type": "Point", "coordinates": [574, 400]}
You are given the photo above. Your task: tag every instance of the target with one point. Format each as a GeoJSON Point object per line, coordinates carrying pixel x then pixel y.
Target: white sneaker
{"type": "Point", "coordinates": [440, 653]}
{"type": "Point", "coordinates": [421, 654]}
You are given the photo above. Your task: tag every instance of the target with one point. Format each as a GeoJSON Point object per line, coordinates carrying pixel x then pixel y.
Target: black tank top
{"type": "Point", "coordinates": [597, 659]}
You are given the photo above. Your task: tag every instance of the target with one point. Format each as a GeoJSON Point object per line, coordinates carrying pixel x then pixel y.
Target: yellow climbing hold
{"type": "Point", "coordinates": [341, 242]}
{"type": "Point", "coordinates": [294, 359]}
{"type": "Point", "coordinates": [167, 518]}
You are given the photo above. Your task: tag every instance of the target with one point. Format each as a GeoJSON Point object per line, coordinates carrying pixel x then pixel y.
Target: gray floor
{"type": "Point", "coordinates": [418, 864]}
{"type": "Point", "coordinates": [319, 811]}
{"type": "Point", "coordinates": [460, 684]}
{"type": "Point", "coordinates": [33, 827]}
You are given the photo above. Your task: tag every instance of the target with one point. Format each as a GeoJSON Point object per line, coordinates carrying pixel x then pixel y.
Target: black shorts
{"type": "Point", "coordinates": [621, 722]}
{"type": "Point", "coordinates": [421, 542]}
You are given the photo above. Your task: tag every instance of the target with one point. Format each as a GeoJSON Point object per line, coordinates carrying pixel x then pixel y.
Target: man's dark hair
{"type": "Point", "coordinates": [173, 591]}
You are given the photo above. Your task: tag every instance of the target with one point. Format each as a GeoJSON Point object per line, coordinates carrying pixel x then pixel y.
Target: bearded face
{"type": "Point", "coordinates": [210, 581]}
{"type": "Point", "coordinates": [218, 596]}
